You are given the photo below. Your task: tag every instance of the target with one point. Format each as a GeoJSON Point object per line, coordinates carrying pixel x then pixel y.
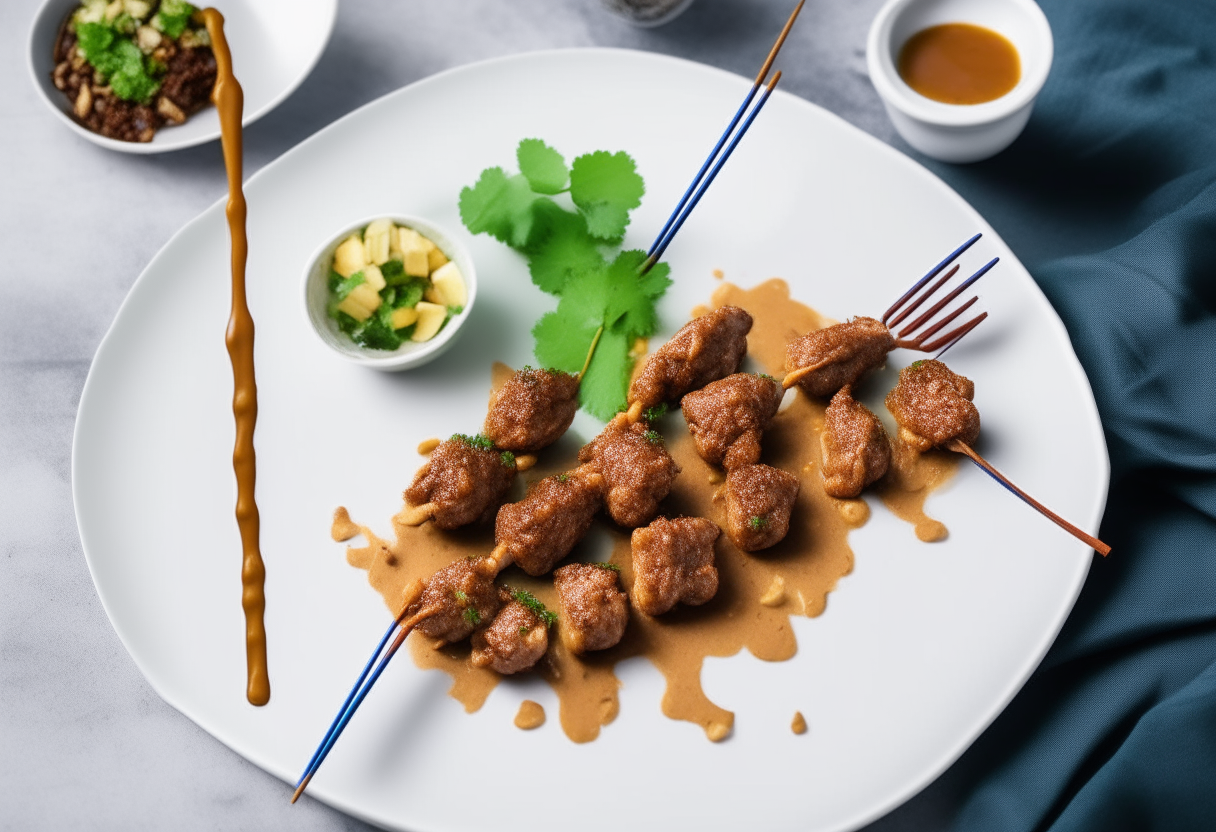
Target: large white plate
{"type": "Point", "coordinates": [920, 648]}
{"type": "Point", "coordinates": [275, 44]}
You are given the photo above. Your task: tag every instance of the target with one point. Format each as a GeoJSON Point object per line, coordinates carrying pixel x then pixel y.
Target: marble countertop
{"type": "Point", "coordinates": [87, 743]}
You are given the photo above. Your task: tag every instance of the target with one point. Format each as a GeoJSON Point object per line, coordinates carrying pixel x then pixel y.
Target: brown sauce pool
{"type": "Point", "coordinates": [960, 63]}
{"type": "Point", "coordinates": [230, 102]}
{"type": "Point", "coordinates": [758, 593]}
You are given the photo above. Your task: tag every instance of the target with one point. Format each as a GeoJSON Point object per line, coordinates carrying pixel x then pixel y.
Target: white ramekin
{"type": "Point", "coordinates": [959, 132]}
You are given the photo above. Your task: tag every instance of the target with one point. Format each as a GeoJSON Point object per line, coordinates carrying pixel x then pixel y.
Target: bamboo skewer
{"type": "Point", "coordinates": [961, 447]}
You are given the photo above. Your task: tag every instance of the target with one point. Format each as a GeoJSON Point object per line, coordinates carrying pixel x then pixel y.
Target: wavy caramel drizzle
{"type": "Point", "coordinates": [229, 100]}
{"type": "Point", "coordinates": [758, 593]}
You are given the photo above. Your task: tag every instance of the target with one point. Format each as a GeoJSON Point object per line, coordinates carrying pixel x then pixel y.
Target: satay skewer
{"type": "Point", "coordinates": [958, 446]}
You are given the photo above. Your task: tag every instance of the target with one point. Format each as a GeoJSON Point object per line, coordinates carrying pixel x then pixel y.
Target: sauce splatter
{"type": "Point", "coordinates": [798, 724]}
{"type": "Point", "coordinates": [758, 593]}
{"type": "Point", "coordinates": [531, 715]}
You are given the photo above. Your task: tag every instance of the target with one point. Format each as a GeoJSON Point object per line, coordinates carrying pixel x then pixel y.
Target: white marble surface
{"type": "Point", "coordinates": [84, 741]}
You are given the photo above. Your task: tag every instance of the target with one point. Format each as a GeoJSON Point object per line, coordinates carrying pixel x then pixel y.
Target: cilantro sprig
{"type": "Point", "coordinates": [601, 293]}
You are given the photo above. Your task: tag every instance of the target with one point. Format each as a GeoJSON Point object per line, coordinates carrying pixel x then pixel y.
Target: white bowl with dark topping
{"type": "Point", "coordinates": [450, 284]}
{"type": "Point", "coordinates": [275, 44]}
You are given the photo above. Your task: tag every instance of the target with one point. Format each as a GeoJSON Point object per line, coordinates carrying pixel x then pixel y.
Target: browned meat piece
{"type": "Point", "coordinates": [515, 640]}
{"type": "Point", "coordinates": [932, 405]}
{"type": "Point", "coordinates": [759, 499]}
{"type": "Point", "coordinates": [637, 470]}
{"type": "Point", "coordinates": [673, 562]}
{"type": "Point", "coordinates": [532, 410]}
{"type": "Point", "coordinates": [460, 597]}
{"type": "Point", "coordinates": [830, 358]}
{"type": "Point", "coordinates": [185, 89]}
{"type": "Point", "coordinates": [856, 451]}
{"type": "Point", "coordinates": [464, 480]}
{"type": "Point", "coordinates": [727, 417]}
{"type": "Point", "coordinates": [705, 349]}
{"type": "Point", "coordinates": [543, 527]}
{"type": "Point", "coordinates": [594, 608]}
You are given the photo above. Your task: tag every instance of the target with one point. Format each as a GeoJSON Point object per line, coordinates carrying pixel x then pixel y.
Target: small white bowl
{"type": "Point", "coordinates": [410, 354]}
{"type": "Point", "coordinates": [275, 44]}
{"type": "Point", "coordinates": [959, 132]}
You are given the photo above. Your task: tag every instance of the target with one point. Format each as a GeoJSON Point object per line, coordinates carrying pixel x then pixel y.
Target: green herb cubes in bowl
{"type": "Point", "coordinates": [389, 293]}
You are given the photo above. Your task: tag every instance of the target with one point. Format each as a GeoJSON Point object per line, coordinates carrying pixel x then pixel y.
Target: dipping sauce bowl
{"type": "Point", "coordinates": [959, 132]}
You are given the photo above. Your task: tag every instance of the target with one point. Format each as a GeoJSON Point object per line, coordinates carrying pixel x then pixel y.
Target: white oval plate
{"type": "Point", "coordinates": [919, 649]}
{"type": "Point", "coordinates": [275, 44]}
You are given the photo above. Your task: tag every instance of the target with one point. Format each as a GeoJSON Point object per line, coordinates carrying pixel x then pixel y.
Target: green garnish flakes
{"type": "Point", "coordinates": [479, 442]}
{"type": "Point", "coordinates": [566, 258]}
{"type": "Point", "coordinates": [653, 437]}
{"type": "Point", "coordinates": [118, 59]}
{"type": "Point", "coordinates": [917, 364]}
{"type": "Point", "coordinates": [757, 523]}
{"type": "Point", "coordinates": [172, 17]}
{"type": "Point", "coordinates": [653, 414]}
{"type": "Point", "coordinates": [471, 615]}
{"type": "Point", "coordinates": [507, 458]}
{"type": "Point", "coordinates": [461, 597]}
{"type": "Point", "coordinates": [534, 604]}
{"type": "Point", "coordinates": [563, 478]}
{"type": "Point", "coordinates": [603, 564]}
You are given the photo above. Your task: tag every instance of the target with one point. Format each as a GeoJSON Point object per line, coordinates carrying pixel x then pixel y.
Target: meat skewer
{"type": "Point", "coordinates": [759, 501]}
{"type": "Point", "coordinates": [594, 608]}
{"type": "Point", "coordinates": [727, 417]}
{"type": "Point", "coordinates": [856, 450]}
{"type": "Point", "coordinates": [673, 562]}
{"type": "Point", "coordinates": [932, 405]}
{"type": "Point", "coordinates": [517, 638]}
{"type": "Point", "coordinates": [824, 361]}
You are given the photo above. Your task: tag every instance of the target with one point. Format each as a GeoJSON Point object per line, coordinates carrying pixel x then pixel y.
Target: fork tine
{"type": "Point", "coordinates": [955, 335]}
{"type": "Point", "coordinates": [912, 307]}
{"type": "Point", "coordinates": [937, 307]}
{"type": "Point", "coordinates": [931, 331]}
{"type": "Point", "coordinates": [932, 274]}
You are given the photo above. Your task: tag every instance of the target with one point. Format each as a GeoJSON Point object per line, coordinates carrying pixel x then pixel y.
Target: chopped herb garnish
{"type": "Point", "coordinates": [563, 478]}
{"type": "Point", "coordinates": [603, 564]}
{"type": "Point", "coordinates": [507, 458]}
{"type": "Point", "coordinates": [758, 523]}
{"type": "Point", "coordinates": [599, 295]}
{"type": "Point", "coordinates": [653, 437]}
{"type": "Point", "coordinates": [172, 17]}
{"type": "Point", "coordinates": [765, 376]}
{"type": "Point", "coordinates": [478, 442]}
{"type": "Point", "coordinates": [461, 597]}
{"type": "Point", "coordinates": [916, 364]}
{"type": "Point", "coordinates": [653, 414]}
{"type": "Point", "coordinates": [471, 615]}
{"type": "Point", "coordinates": [344, 287]}
{"type": "Point", "coordinates": [534, 604]}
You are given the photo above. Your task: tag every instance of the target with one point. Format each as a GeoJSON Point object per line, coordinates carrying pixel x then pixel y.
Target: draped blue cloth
{"type": "Point", "coordinates": [1109, 198]}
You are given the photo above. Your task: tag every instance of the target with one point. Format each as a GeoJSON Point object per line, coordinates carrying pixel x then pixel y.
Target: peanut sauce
{"type": "Point", "coordinates": [230, 102]}
{"type": "Point", "coordinates": [758, 594]}
{"type": "Point", "coordinates": [531, 715]}
{"type": "Point", "coordinates": [960, 63]}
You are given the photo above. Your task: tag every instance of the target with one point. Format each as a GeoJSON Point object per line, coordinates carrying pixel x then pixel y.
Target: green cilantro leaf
{"type": "Point", "coordinates": [602, 391]}
{"type": "Point", "coordinates": [471, 615]}
{"type": "Point", "coordinates": [603, 564]}
{"type": "Point", "coordinates": [606, 187]}
{"type": "Point", "coordinates": [632, 297]}
{"type": "Point", "coordinates": [658, 411]}
{"type": "Point", "coordinates": [544, 167]}
{"type": "Point", "coordinates": [565, 249]}
{"type": "Point", "coordinates": [499, 205]}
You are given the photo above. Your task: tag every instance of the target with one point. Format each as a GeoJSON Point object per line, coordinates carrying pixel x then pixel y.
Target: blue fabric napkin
{"type": "Point", "coordinates": [1109, 198]}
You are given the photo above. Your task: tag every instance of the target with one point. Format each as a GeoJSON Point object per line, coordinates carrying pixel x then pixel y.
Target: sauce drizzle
{"type": "Point", "coordinates": [757, 596]}
{"type": "Point", "coordinates": [229, 100]}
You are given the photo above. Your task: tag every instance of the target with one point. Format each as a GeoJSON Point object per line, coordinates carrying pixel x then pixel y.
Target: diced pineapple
{"type": "Point", "coordinates": [374, 277]}
{"type": "Point", "coordinates": [349, 257]}
{"type": "Point", "coordinates": [365, 296]}
{"type": "Point", "coordinates": [413, 252]}
{"type": "Point", "coordinates": [449, 285]}
{"type": "Point", "coordinates": [355, 309]}
{"type": "Point", "coordinates": [435, 258]}
{"type": "Point", "coordinates": [403, 317]}
{"type": "Point", "coordinates": [376, 241]}
{"type": "Point", "coordinates": [113, 11]}
{"type": "Point", "coordinates": [430, 318]}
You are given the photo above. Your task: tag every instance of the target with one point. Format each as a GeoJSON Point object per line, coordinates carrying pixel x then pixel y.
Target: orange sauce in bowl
{"type": "Point", "coordinates": [960, 63]}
